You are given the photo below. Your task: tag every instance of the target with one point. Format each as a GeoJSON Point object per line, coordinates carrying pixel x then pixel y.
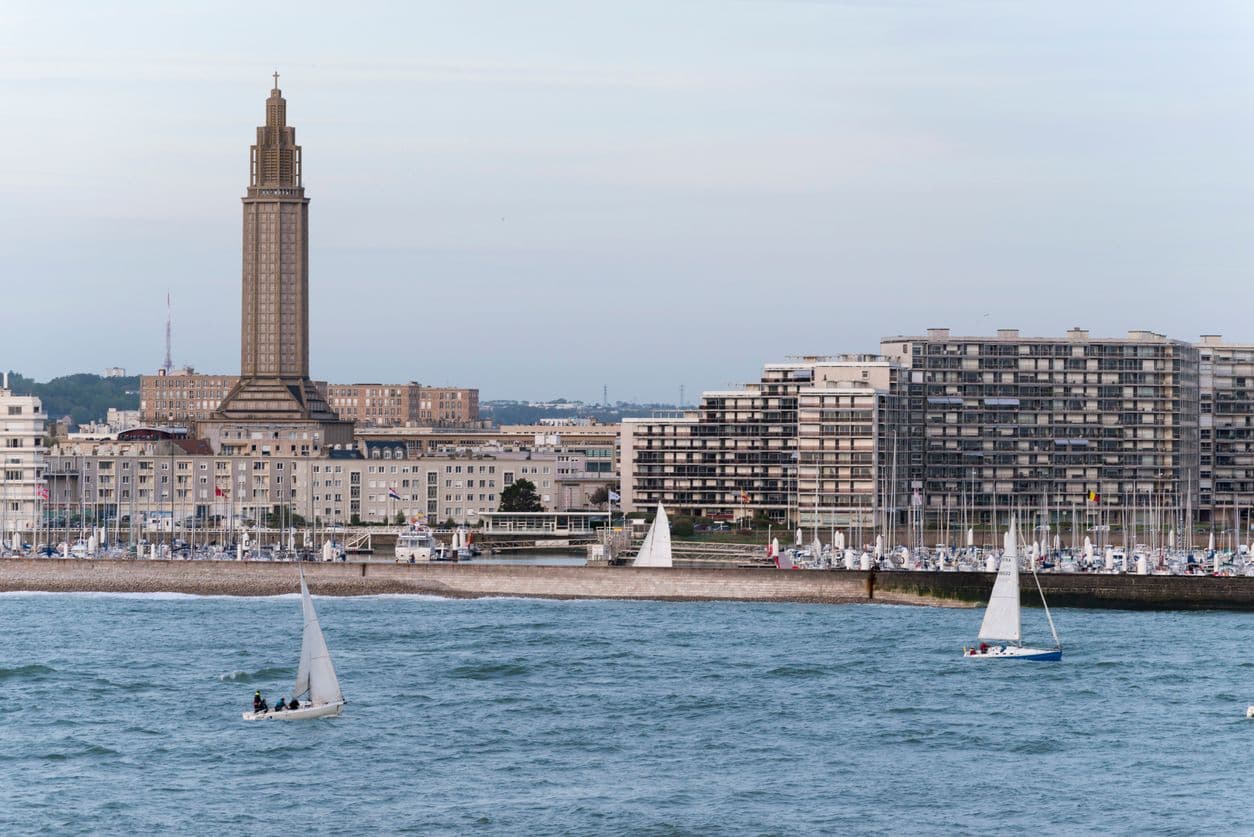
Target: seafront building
{"type": "Point", "coordinates": [1073, 423]}
{"type": "Point", "coordinates": [1226, 475]}
{"type": "Point", "coordinates": [816, 441]}
{"type": "Point", "coordinates": [22, 422]}
{"type": "Point", "coordinates": [148, 477]}
{"type": "Point", "coordinates": [941, 429]}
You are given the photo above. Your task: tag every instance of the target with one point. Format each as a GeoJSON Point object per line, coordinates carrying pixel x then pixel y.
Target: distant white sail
{"type": "Point", "coordinates": [316, 674]}
{"type": "Point", "coordinates": [656, 549]}
{"type": "Point", "coordinates": [1001, 619]}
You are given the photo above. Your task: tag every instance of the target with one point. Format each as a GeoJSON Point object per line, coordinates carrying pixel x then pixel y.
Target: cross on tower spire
{"type": "Point", "coordinates": [276, 79]}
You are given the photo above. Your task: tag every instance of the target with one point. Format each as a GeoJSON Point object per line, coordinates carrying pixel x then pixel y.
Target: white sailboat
{"type": "Point", "coordinates": [655, 550]}
{"type": "Point", "coordinates": [1002, 620]}
{"type": "Point", "coordinates": [315, 676]}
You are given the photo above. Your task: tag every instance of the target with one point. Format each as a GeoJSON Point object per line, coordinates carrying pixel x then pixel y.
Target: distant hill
{"type": "Point", "coordinates": [529, 412]}
{"type": "Point", "coordinates": [83, 397]}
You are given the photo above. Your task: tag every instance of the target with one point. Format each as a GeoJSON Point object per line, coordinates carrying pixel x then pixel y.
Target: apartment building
{"type": "Point", "coordinates": [399, 405]}
{"type": "Point", "coordinates": [22, 423]}
{"type": "Point", "coordinates": [184, 397]}
{"type": "Point", "coordinates": [156, 477]}
{"type": "Point", "coordinates": [810, 440]}
{"type": "Point", "coordinates": [1002, 422]}
{"type": "Point", "coordinates": [1226, 476]}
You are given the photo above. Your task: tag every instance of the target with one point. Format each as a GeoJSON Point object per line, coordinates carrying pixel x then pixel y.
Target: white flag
{"type": "Point", "coordinates": [615, 497]}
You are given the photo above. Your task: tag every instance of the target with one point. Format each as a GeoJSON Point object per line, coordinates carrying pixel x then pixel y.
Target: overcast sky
{"type": "Point", "coordinates": [538, 198]}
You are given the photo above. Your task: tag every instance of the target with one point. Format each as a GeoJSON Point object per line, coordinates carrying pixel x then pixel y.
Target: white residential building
{"type": "Point", "coordinates": [22, 472]}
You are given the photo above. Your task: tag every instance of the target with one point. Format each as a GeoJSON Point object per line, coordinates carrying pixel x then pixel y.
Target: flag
{"type": "Point", "coordinates": [392, 495]}
{"type": "Point", "coordinates": [1094, 497]}
{"type": "Point", "coordinates": [221, 492]}
{"type": "Point", "coordinates": [615, 497]}
{"type": "Point", "coordinates": [744, 496]}
{"type": "Point", "coordinates": [43, 493]}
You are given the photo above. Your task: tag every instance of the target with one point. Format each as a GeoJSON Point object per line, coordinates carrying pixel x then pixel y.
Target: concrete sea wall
{"type": "Point", "coordinates": [476, 580]}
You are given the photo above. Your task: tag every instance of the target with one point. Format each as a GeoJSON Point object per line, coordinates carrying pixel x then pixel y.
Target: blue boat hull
{"type": "Point", "coordinates": [1015, 652]}
{"type": "Point", "coordinates": [1054, 656]}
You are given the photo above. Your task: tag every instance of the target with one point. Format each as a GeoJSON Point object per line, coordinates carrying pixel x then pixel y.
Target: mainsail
{"type": "Point", "coordinates": [1001, 619]}
{"type": "Point", "coordinates": [655, 551]}
{"type": "Point", "coordinates": [315, 675]}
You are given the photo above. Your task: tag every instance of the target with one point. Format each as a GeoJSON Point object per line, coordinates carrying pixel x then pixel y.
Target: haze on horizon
{"type": "Point", "coordinates": [538, 199]}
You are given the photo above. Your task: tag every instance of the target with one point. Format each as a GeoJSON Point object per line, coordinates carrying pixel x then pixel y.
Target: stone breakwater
{"type": "Point", "coordinates": [243, 578]}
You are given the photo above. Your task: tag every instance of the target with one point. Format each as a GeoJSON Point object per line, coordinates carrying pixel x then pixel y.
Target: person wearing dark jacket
{"type": "Point", "coordinates": [257, 701]}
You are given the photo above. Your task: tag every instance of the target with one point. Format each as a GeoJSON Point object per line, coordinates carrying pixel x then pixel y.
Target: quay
{"type": "Point", "coordinates": [470, 580]}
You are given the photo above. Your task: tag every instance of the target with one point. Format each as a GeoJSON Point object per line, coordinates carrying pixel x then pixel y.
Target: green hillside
{"type": "Point", "coordinates": [83, 397]}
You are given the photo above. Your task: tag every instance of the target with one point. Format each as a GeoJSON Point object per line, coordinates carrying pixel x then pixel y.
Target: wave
{"type": "Point", "coordinates": [270, 673]}
{"type": "Point", "coordinates": [32, 671]}
{"type": "Point", "coordinates": [489, 671]}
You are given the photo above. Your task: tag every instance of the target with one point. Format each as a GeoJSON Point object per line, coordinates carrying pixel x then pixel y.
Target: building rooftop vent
{"type": "Point", "coordinates": [1008, 332]}
{"type": "Point", "coordinates": [1077, 333]}
{"type": "Point", "coordinates": [938, 333]}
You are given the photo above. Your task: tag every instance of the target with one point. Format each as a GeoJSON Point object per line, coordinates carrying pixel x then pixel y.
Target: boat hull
{"type": "Point", "coordinates": [1015, 652]}
{"type": "Point", "coordinates": [323, 710]}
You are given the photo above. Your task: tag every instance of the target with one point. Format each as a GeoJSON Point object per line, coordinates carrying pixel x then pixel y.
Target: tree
{"type": "Point", "coordinates": [600, 497]}
{"type": "Point", "coordinates": [520, 497]}
{"type": "Point", "coordinates": [400, 518]}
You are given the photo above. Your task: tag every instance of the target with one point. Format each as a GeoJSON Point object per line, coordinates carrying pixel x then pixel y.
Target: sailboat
{"type": "Point", "coordinates": [1002, 621]}
{"type": "Point", "coordinates": [655, 550]}
{"type": "Point", "coordinates": [315, 677]}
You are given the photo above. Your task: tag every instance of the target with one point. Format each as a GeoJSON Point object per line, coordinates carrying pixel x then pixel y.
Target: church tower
{"type": "Point", "coordinates": [274, 386]}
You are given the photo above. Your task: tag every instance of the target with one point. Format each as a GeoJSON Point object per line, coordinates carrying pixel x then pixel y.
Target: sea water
{"type": "Point", "coordinates": [121, 714]}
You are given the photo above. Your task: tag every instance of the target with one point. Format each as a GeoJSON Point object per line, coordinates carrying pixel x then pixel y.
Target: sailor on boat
{"type": "Point", "coordinates": [315, 675]}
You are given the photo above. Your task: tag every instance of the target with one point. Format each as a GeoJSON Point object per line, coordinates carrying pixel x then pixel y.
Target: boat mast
{"type": "Point", "coordinates": [1044, 604]}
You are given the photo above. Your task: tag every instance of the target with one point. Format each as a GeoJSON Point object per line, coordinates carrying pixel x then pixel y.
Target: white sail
{"type": "Point", "coordinates": [1001, 619]}
{"type": "Point", "coordinates": [316, 674]}
{"type": "Point", "coordinates": [656, 549]}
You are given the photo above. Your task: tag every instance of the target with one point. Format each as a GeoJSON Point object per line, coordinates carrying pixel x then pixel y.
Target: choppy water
{"type": "Point", "coordinates": [120, 714]}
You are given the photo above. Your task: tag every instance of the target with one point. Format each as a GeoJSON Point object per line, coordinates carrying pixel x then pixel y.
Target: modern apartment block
{"type": "Point", "coordinates": [1005, 421]}
{"type": "Point", "coordinates": [1226, 477]}
{"type": "Point", "coordinates": [816, 434]}
{"type": "Point", "coordinates": [22, 422]}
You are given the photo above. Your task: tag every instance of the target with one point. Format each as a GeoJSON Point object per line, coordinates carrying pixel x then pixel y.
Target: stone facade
{"type": "Point", "coordinates": [142, 481]}
{"type": "Point", "coordinates": [400, 405]}
{"type": "Point", "coordinates": [22, 462]}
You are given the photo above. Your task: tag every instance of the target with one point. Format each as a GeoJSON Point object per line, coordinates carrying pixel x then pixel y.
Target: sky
{"type": "Point", "coordinates": [541, 199]}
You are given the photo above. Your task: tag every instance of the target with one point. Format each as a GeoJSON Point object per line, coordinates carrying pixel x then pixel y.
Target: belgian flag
{"type": "Point", "coordinates": [1094, 497]}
